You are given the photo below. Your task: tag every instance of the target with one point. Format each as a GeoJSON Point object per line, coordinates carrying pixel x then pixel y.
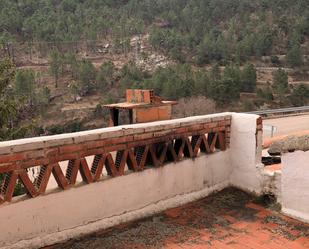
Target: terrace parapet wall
{"type": "Point", "coordinates": [116, 151]}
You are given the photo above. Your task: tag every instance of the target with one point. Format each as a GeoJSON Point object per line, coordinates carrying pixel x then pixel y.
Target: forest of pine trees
{"type": "Point", "coordinates": [211, 42]}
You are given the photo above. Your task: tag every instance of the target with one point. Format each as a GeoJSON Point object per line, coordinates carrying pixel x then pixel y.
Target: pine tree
{"type": "Point", "coordinates": [248, 78]}
{"type": "Point", "coordinates": [55, 65]}
{"type": "Point", "coordinates": [294, 56]}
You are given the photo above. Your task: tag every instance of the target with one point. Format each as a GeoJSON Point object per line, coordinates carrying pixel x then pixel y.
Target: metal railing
{"type": "Point", "coordinates": [281, 111]}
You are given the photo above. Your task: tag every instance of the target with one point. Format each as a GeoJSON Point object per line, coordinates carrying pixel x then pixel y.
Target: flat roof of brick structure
{"type": "Point", "coordinates": [228, 219]}
{"type": "Point", "coordinates": [137, 98]}
{"type": "Point", "coordinates": [129, 105]}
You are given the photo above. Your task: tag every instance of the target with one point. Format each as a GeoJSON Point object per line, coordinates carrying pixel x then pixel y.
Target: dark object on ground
{"type": "Point", "coordinates": [270, 160]}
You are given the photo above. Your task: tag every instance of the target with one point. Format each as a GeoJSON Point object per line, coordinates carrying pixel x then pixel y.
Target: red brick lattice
{"type": "Point", "coordinates": [117, 154]}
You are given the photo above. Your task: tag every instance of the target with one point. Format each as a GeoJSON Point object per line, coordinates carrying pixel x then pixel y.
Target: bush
{"type": "Point", "coordinates": [191, 106]}
{"type": "Point", "coordinates": [280, 82]}
{"type": "Point", "coordinates": [248, 106]}
{"type": "Point", "coordinates": [300, 95]}
{"type": "Point", "coordinates": [294, 56]}
{"type": "Point", "coordinates": [24, 84]}
{"type": "Point", "coordinates": [105, 75]}
{"type": "Point", "coordinates": [86, 77]}
{"type": "Point", "coordinates": [73, 126]}
{"type": "Point", "coordinates": [265, 94]}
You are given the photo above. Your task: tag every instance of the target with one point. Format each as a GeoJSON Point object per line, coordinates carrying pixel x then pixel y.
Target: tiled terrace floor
{"type": "Point", "coordinates": [228, 219]}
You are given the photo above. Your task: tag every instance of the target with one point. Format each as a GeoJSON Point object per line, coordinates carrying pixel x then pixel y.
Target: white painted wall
{"type": "Point", "coordinates": [295, 184]}
{"type": "Point", "coordinates": [58, 216]}
{"type": "Point", "coordinates": [245, 153]}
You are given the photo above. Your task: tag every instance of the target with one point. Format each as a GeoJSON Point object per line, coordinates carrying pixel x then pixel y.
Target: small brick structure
{"type": "Point", "coordinates": [142, 106]}
{"type": "Point", "coordinates": [135, 148]}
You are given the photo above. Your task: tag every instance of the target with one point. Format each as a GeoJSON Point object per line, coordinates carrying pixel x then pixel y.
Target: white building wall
{"type": "Point", "coordinates": [295, 184]}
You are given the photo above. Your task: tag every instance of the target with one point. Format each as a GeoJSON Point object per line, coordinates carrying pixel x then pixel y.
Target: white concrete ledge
{"type": "Point", "coordinates": [111, 132]}
{"type": "Point", "coordinates": [302, 216]}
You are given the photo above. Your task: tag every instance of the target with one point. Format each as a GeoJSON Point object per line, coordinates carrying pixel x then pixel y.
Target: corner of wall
{"type": "Point", "coordinates": [245, 153]}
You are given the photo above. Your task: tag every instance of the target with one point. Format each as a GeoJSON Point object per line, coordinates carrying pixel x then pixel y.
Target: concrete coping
{"type": "Point", "coordinates": [42, 142]}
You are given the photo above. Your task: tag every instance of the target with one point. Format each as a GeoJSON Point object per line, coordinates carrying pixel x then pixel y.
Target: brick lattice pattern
{"type": "Point", "coordinates": [117, 150]}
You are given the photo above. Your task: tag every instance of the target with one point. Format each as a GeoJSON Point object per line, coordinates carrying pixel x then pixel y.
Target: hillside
{"type": "Point", "coordinates": [70, 57]}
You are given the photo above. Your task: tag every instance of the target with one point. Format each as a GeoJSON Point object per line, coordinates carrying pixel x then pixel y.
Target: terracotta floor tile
{"type": "Point", "coordinates": [226, 220]}
{"type": "Point", "coordinates": [255, 206]}
{"type": "Point", "coordinates": [302, 241]}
